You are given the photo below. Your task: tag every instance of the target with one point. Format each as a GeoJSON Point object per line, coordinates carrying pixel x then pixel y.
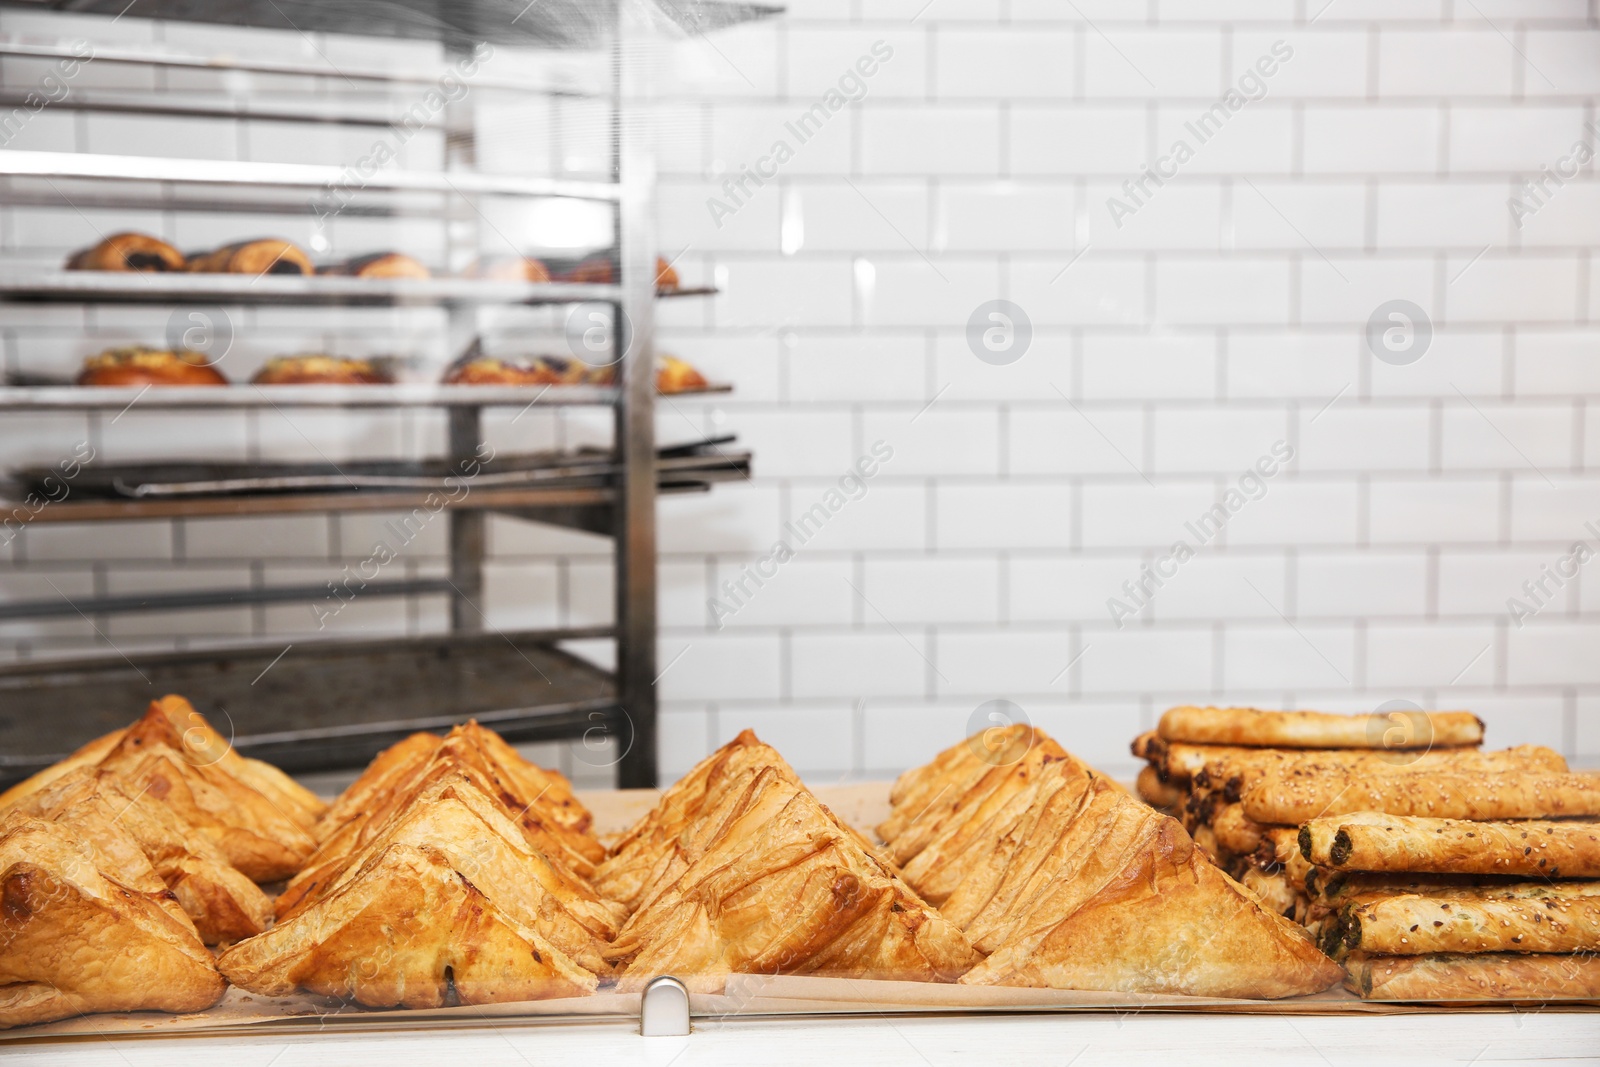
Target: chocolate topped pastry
{"type": "Point", "coordinates": [128, 251]}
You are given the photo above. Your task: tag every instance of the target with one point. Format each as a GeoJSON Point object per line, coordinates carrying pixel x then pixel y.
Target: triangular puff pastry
{"type": "Point", "coordinates": [1166, 921]}
{"type": "Point", "coordinates": [73, 940]}
{"type": "Point", "coordinates": [762, 878]}
{"type": "Point", "coordinates": [203, 745]}
{"type": "Point", "coordinates": [255, 816]}
{"type": "Point", "coordinates": [402, 761]}
{"type": "Point", "coordinates": [463, 756]}
{"type": "Point", "coordinates": [407, 929]}
{"type": "Point", "coordinates": [478, 836]}
{"type": "Point", "coordinates": [130, 828]}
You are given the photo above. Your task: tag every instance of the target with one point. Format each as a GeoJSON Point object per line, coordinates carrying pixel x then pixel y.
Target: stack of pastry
{"type": "Point", "coordinates": [1447, 884]}
{"type": "Point", "coordinates": [1063, 880]}
{"type": "Point", "coordinates": [451, 870]}
{"type": "Point", "coordinates": [118, 865]}
{"type": "Point", "coordinates": [1202, 760]}
{"type": "Point", "coordinates": [740, 869]}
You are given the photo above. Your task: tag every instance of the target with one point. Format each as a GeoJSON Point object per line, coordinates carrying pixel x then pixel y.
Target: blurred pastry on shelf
{"type": "Point", "coordinates": [378, 265]}
{"type": "Point", "coordinates": [266, 255]}
{"type": "Point", "coordinates": [536, 370]}
{"type": "Point", "coordinates": [673, 375]}
{"type": "Point", "coordinates": [128, 251]}
{"type": "Point", "coordinates": [666, 277]}
{"type": "Point", "coordinates": [137, 365]}
{"type": "Point", "coordinates": [315, 369]}
{"type": "Point", "coordinates": [600, 270]}
{"type": "Point", "coordinates": [509, 269]}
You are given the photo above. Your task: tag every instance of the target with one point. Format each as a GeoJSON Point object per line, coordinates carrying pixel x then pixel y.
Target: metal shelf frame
{"type": "Point", "coordinates": [622, 701]}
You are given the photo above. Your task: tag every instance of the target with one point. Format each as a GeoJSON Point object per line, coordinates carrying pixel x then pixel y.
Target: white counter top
{"type": "Point", "coordinates": [1139, 1040]}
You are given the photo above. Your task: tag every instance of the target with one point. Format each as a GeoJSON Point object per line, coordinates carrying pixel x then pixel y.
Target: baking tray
{"type": "Point", "coordinates": [691, 461]}
{"type": "Point", "coordinates": [319, 704]}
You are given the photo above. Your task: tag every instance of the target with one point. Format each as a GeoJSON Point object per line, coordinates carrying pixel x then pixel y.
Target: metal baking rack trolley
{"type": "Point", "coordinates": [336, 703]}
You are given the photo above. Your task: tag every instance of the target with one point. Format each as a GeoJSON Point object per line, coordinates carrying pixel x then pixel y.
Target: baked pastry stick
{"type": "Point", "coordinates": [1317, 729]}
{"type": "Point", "coordinates": [1292, 800]}
{"type": "Point", "coordinates": [1537, 848]}
{"type": "Point", "coordinates": [1235, 769]}
{"type": "Point", "coordinates": [77, 941]}
{"type": "Point", "coordinates": [379, 265]}
{"type": "Point", "coordinates": [407, 928]}
{"type": "Point", "coordinates": [1236, 831]}
{"type": "Point", "coordinates": [265, 255]}
{"type": "Point", "coordinates": [1415, 925]}
{"type": "Point", "coordinates": [128, 251]}
{"type": "Point", "coordinates": [770, 883]}
{"type": "Point", "coordinates": [1155, 792]}
{"type": "Point", "coordinates": [1147, 913]}
{"type": "Point", "coordinates": [1487, 976]}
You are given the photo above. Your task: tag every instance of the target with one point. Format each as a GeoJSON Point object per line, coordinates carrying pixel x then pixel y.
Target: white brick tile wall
{"type": "Point", "coordinates": [1273, 656]}
{"type": "Point", "coordinates": [1518, 139]}
{"type": "Point", "coordinates": [1126, 62]}
{"type": "Point", "coordinates": [881, 663]}
{"type": "Point", "coordinates": [1060, 439]}
{"type": "Point", "coordinates": [1501, 436]}
{"type": "Point", "coordinates": [916, 139]}
{"type": "Point", "coordinates": [1409, 510]}
{"type": "Point", "coordinates": [1439, 655]}
{"type": "Point", "coordinates": [1454, 62]}
{"type": "Point", "coordinates": [1230, 439]}
{"type": "Point", "coordinates": [1003, 663]}
{"type": "Point", "coordinates": [1476, 582]}
{"type": "Point", "coordinates": [1455, 364]}
{"type": "Point", "coordinates": [1166, 366]}
{"type": "Point", "coordinates": [1521, 289]}
{"type": "Point", "coordinates": [1057, 140]}
{"type": "Point", "coordinates": [1004, 515]}
{"type": "Point", "coordinates": [1073, 588]}
{"type": "Point", "coordinates": [1137, 515]}
{"type": "Point", "coordinates": [1218, 291]}
{"type": "Point", "coordinates": [919, 590]}
{"type": "Point", "coordinates": [1549, 652]}
{"type": "Point", "coordinates": [1224, 587]}
{"type": "Point", "coordinates": [806, 591]}
{"type": "Point", "coordinates": [1021, 64]}
{"type": "Point", "coordinates": [1225, 313]}
{"type": "Point", "coordinates": [1366, 139]}
{"type": "Point", "coordinates": [1339, 585]}
{"type": "Point", "coordinates": [938, 440]}
{"type": "Point", "coordinates": [1353, 437]}
{"type": "Point", "coordinates": [1140, 659]}
{"type": "Point", "coordinates": [1300, 513]}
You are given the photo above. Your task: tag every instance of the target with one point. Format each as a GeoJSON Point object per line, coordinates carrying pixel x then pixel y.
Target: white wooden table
{"type": "Point", "coordinates": [1145, 1040]}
